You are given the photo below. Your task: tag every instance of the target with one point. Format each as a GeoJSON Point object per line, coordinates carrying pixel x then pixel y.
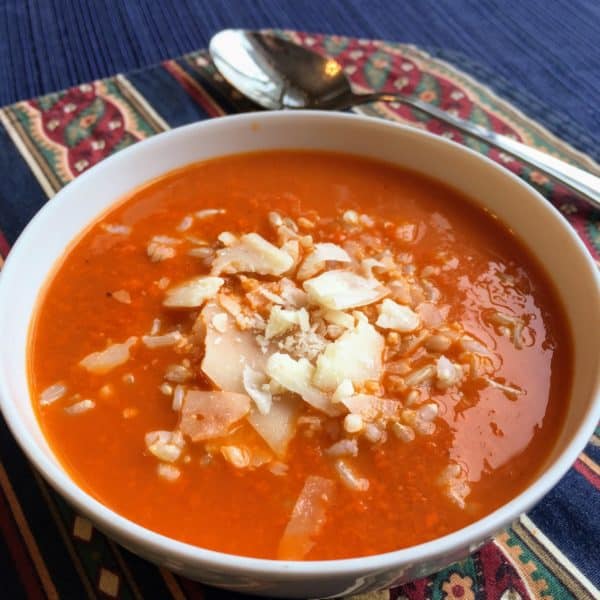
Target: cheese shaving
{"type": "Point", "coordinates": [255, 384]}
{"type": "Point", "coordinates": [193, 293]}
{"type": "Point", "coordinates": [340, 290]}
{"type": "Point", "coordinates": [296, 376]}
{"type": "Point", "coordinates": [252, 254]}
{"type": "Point", "coordinates": [356, 355]}
{"type": "Point", "coordinates": [317, 259]}
{"type": "Point", "coordinates": [282, 320]}
{"type": "Point", "coordinates": [397, 317]}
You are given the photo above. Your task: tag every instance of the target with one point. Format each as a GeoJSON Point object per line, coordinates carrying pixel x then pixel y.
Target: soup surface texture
{"type": "Point", "coordinates": [300, 355]}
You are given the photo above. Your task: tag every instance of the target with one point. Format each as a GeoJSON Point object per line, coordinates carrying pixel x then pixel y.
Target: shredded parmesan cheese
{"type": "Point", "coordinates": [281, 320]}
{"type": "Point", "coordinates": [356, 355]}
{"type": "Point", "coordinates": [317, 259]}
{"type": "Point", "coordinates": [396, 316]}
{"type": "Point", "coordinates": [219, 322]}
{"type": "Point", "coordinates": [255, 384]}
{"type": "Point", "coordinates": [296, 376]}
{"type": "Point", "coordinates": [193, 293]}
{"type": "Point", "coordinates": [301, 337]}
{"type": "Point", "coordinates": [344, 390]}
{"type": "Point", "coordinates": [122, 296]}
{"type": "Point", "coordinates": [251, 254]}
{"type": "Point", "coordinates": [340, 290]}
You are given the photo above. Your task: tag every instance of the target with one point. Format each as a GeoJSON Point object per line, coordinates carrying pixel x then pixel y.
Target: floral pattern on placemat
{"type": "Point", "coordinates": [61, 135]}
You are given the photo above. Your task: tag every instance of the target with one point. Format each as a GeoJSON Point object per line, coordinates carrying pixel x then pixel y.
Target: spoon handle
{"type": "Point", "coordinates": [583, 183]}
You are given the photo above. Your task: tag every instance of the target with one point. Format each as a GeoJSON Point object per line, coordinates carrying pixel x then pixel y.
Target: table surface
{"type": "Point", "coordinates": [541, 55]}
{"type": "Point", "coordinates": [548, 49]}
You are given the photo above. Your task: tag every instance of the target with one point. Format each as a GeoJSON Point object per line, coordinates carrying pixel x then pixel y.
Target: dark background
{"type": "Point", "coordinates": [546, 48]}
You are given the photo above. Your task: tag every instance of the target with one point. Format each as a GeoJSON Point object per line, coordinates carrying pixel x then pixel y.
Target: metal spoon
{"type": "Point", "coordinates": [278, 74]}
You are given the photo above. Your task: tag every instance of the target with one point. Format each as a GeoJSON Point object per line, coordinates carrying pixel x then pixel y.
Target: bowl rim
{"type": "Point", "coordinates": [176, 552]}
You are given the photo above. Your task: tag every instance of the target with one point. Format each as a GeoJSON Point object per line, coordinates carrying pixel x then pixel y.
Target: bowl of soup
{"type": "Point", "coordinates": [300, 354]}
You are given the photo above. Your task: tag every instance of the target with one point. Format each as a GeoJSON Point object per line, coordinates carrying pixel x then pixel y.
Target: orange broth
{"type": "Point", "coordinates": [501, 441]}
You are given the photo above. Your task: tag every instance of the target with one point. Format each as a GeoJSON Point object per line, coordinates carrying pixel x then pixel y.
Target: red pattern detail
{"type": "Point", "coordinates": [508, 162]}
{"type": "Point", "coordinates": [579, 218]}
{"type": "Point", "coordinates": [415, 590]}
{"type": "Point", "coordinates": [584, 470]}
{"type": "Point", "coordinates": [192, 88]}
{"type": "Point", "coordinates": [19, 552]}
{"type": "Point", "coordinates": [108, 130]}
{"type": "Point", "coordinates": [498, 574]}
{"type": "Point", "coordinates": [192, 589]}
{"type": "Point", "coordinates": [4, 246]}
{"type": "Point", "coordinates": [403, 69]}
{"type": "Point", "coordinates": [404, 76]}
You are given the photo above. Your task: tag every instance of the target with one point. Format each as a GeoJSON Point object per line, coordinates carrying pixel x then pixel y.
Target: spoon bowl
{"type": "Point", "coordinates": [276, 73]}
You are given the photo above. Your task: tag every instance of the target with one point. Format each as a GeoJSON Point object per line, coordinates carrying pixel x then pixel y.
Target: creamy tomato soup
{"type": "Point", "coordinates": [300, 355]}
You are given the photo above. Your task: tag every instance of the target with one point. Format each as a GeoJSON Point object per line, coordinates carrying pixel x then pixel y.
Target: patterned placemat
{"type": "Point", "coordinates": [46, 550]}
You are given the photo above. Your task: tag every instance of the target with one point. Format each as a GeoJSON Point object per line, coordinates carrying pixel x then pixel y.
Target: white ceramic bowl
{"type": "Point", "coordinates": [516, 204]}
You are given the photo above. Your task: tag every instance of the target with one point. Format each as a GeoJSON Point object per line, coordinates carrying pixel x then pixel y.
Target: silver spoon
{"type": "Point", "coordinates": [278, 74]}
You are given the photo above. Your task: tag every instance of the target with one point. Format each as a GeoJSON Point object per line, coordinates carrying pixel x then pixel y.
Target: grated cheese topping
{"type": "Point", "coordinates": [298, 335]}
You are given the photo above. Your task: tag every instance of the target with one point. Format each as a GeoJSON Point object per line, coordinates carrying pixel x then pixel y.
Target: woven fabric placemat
{"type": "Point", "coordinates": [46, 549]}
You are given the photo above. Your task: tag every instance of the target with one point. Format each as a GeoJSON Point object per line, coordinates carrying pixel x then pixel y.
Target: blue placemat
{"type": "Point", "coordinates": [48, 550]}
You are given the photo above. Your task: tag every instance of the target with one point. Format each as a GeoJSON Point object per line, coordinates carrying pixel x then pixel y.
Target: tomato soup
{"type": "Point", "coordinates": [300, 355]}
